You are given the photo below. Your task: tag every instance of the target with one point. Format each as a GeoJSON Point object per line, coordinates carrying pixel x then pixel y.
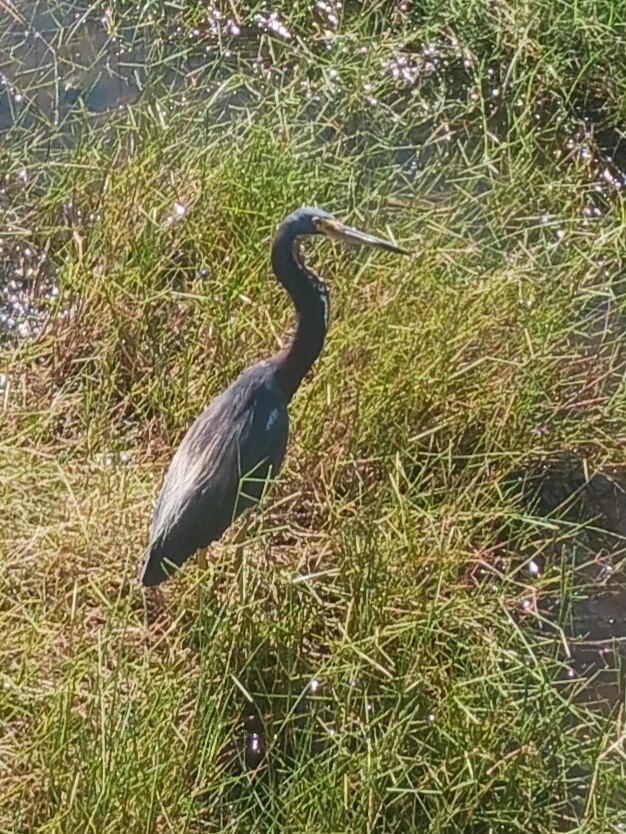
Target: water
{"type": "Point", "coordinates": [589, 544]}
{"type": "Point", "coordinates": [56, 57]}
{"type": "Point", "coordinates": [28, 281]}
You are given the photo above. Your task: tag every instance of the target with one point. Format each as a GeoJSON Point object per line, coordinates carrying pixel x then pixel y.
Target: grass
{"type": "Point", "coordinates": [385, 661]}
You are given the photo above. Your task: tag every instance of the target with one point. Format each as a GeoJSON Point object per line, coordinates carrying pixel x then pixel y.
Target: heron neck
{"type": "Point", "coordinates": [310, 298]}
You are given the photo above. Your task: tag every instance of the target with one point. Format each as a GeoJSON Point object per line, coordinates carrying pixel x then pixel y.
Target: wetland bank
{"type": "Point", "coordinates": [428, 632]}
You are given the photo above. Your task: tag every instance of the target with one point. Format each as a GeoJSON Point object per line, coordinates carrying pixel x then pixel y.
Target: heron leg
{"type": "Point", "coordinates": [243, 531]}
{"type": "Point", "coordinates": [203, 564]}
{"type": "Point", "coordinates": [240, 567]}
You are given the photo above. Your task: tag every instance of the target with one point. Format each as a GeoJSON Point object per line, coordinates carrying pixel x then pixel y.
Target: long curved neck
{"type": "Point", "coordinates": [310, 297]}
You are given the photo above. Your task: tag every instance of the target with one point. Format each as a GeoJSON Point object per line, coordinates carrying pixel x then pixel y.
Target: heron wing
{"type": "Point", "coordinates": [220, 469]}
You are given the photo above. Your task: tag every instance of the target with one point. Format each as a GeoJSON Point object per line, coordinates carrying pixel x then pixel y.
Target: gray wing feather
{"type": "Point", "coordinates": [220, 469]}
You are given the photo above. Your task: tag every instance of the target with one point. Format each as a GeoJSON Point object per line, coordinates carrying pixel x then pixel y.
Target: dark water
{"type": "Point", "coordinates": [586, 540]}
{"type": "Point", "coordinates": [56, 57]}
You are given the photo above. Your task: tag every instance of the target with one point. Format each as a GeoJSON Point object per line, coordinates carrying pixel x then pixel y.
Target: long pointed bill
{"type": "Point", "coordinates": [339, 231]}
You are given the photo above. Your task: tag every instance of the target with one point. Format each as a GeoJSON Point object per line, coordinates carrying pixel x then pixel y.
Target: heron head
{"type": "Point", "coordinates": [315, 221]}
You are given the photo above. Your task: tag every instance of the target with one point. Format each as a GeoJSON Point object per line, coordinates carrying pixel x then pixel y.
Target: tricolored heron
{"type": "Point", "coordinates": [238, 443]}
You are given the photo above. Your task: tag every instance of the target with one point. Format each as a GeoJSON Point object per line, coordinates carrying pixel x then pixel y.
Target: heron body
{"type": "Point", "coordinates": [213, 479]}
{"type": "Point", "coordinates": [238, 443]}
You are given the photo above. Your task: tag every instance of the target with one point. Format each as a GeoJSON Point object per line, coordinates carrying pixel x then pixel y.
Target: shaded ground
{"type": "Point", "coordinates": [588, 531]}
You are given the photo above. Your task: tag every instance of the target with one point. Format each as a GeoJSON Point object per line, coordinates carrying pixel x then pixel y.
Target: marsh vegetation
{"type": "Point", "coordinates": [426, 633]}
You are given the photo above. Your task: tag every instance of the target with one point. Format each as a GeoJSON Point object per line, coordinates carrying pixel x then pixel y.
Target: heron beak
{"type": "Point", "coordinates": [339, 231]}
